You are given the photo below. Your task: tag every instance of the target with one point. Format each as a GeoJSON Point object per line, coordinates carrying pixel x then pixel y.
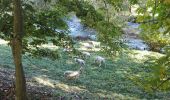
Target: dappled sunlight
{"type": "Point", "coordinates": [3, 41]}
{"type": "Point", "coordinates": [121, 72]}
{"type": "Point", "coordinates": [138, 75]}
{"type": "Point", "coordinates": [45, 81]}
{"type": "Point", "coordinates": [83, 48]}
{"type": "Point", "coordinates": [49, 46]}
{"type": "Point", "coordinates": [133, 10]}
{"type": "Point", "coordinates": [111, 95]}
{"type": "Point", "coordinates": [143, 55]}
{"type": "Point", "coordinates": [90, 46]}
{"type": "Point", "coordinates": [33, 66]}
{"type": "Point", "coordinates": [57, 84]}
{"type": "Point", "coordinates": [84, 43]}
{"type": "Point", "coordinates": [69, 62]}
{"type": "Point", "coordinates": [68, 88]}
{"type": "Point", "coordinates": [45, 70]}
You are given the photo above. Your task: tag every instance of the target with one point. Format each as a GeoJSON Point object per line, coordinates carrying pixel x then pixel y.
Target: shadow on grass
{"type": "Point", "coordinates": [110, 81]}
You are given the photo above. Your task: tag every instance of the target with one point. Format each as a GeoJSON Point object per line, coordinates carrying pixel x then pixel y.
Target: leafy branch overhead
{"type": "Point", "coordinates": [41, 24]}
{"type": "Point", "coordinates": [154, 17]}
{"type": "Point", "coordinates": [45, 22]}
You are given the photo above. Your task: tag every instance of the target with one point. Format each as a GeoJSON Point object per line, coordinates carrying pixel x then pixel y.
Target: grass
{"type": "Point", "coordinates": [111, 81]}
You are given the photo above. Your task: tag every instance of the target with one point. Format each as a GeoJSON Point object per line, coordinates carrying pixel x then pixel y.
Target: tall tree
{"type": "Point", "coordinates": [17, 50]}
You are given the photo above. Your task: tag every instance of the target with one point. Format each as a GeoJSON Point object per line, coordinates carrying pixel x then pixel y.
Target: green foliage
{"type": "Point", "coordinates": [110, 81]}
{"type": "Point", "coordinates": [84, 10]}
{"type": "Point", "coordinates": [132, 2]}
{"type": "Point", "coordinates": [5, 19]}
{"type": "Point", "coordinates": [116, 3]}
{"type": "Point", "coordinates": [157, 76]}
{"type": "Point", "coordinates": [40, 26]}
{"type": "Point", "coordinates": [155, 24]}
{"type": "Point", "coordinates": [44, 52]}
{"type": "Point", "coordinates": [108, 32]}
{"type": "Point", "coordinates": [109, 36]}
{"type": "Point", "coordinates": [153, 37]}
{"type": "Point", "coordinates": [88, 14]}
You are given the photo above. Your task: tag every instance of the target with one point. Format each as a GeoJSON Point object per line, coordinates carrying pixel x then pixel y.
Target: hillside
{"type": "Point", "coordinates": [45, 77]}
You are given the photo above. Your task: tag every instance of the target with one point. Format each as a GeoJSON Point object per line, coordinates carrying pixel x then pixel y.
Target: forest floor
{"type": "Point", "coordinates": [45, 78]}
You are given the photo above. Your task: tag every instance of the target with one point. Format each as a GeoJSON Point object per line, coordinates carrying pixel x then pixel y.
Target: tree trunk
{"type": "Point", "coordinates": [17, 51]}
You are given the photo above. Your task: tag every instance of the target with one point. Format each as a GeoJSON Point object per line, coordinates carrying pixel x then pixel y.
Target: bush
{"type": "Point", "coordinates": [154, 37]}
{"type": "Point", "coordinates": [156, 76]}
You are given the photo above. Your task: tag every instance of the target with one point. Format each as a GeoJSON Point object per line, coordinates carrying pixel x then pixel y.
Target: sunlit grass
{"type": "Point", "coordinates": [3, 42]}
{"type": "Point", "coordinates": [111, 81]}
{"type": "Point", "coordinates": [49, 46]}
{"type": "Point", "coordinates": [84, 46]}
{"type": "Point", "coordinates": [142, 56]}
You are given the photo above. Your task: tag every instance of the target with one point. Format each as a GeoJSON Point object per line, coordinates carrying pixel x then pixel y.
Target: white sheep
{"type": "Point", "coordinates": [86, 54]}
{"type": "Point", "coordinates": [79, 61]}
{"type": "Point", "coordinates": [71, 75]}
{"type": "Point", "coordinates": [99, 60]}
{"type": "Point", "coordinates": [89, 47]}
{"type": "Point", "coordinates": [94, 43]}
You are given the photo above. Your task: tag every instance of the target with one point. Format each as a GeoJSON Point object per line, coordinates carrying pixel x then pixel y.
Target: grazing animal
{"type": "Point", "coordinates": [79, 61]}
{"type": "Point", "coordinates": [71, 75]}
{"type": "Point", "coordinates": [86, 54]}
{"type": "Point", "coordinates": [90, 47]}
{"type": "Point", "coordinates": [94, 43]}
{"type": "Point", "coordinates": [99, 60]}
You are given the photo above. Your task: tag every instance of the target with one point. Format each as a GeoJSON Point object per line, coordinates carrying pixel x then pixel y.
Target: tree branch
{"type": "Point", "coordinates": [162, 83]}
{"type": "Point", "coordinates": [107, 10]}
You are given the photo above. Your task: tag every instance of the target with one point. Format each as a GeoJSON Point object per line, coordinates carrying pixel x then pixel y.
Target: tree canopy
{"type": "Point", "coordinates": [44, 22]}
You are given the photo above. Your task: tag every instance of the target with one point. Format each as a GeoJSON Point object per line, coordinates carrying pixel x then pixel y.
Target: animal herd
{"type": "Point", "coordinates": [81, 61]}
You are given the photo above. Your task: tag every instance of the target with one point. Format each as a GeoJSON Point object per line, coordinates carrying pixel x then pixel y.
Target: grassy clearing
{"type": "Point", "coordinates": [110, 81]}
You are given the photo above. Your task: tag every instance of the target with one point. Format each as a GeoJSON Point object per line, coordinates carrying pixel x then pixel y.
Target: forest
{"type": "Point", "coordinates": [84, 49]}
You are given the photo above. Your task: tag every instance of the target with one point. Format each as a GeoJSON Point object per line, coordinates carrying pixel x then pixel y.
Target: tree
{"type": "Point", "coordinates": [154, 16]}
{"type": "Point", "coordinates": [40, 27]}
{"type": "Point", "coordinates": [33, 23]}
{"type": "Point", "coordinates": [102, 17]}
{"type": "Point", "coordinates": [17, 51]}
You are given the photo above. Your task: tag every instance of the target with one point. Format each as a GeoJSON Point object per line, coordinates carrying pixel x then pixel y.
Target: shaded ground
{"type": "Point", "coordinates": [45, 77]}
{"type": "Point", "coordinates": [7, 86]}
